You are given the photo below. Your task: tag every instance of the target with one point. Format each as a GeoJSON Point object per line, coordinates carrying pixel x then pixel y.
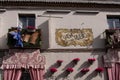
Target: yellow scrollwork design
{"type": "Point", "coordinates": [67, 37]}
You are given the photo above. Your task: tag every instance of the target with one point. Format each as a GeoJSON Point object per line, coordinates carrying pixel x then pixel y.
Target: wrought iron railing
{"type": "Point", "coordinates": [112, 38]}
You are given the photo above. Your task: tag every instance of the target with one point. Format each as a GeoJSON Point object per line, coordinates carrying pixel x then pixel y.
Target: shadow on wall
{"type": "Point", "coordinates": [86, 64]}
{"type": "Point", "coordinates": [3, 42]}
{"type": "Point", "coordinates": [62, 75]}
{"type": "Point", "coordinates": [92, 75]}
{"type": "Point", "coordinates": [89, 77]}
{"type": "Point", "coordinates": [2, 54]}
{"type": "Point", "coordinates": [71, 64]}
{"type": "Point", "coordinates": [44, 34]}
{"type": "Point", "coordinates": [99, 41]}
{"type": "Point", "coordinates": [48, 73]}
{"type": "Point", "coordinates": [100, 61]}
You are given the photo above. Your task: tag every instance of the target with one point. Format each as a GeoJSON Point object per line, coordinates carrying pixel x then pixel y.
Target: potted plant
{"type": "Point", "coordinates": [85, 70]}
{"type": "Point", "coordinates": [91, 60]}
{"type": "Point", "coordinates": [75, 60]}
{"type": "Point", "coordinates": [99, 69]}
{"type": "Point", "coordinates": [53, 70]}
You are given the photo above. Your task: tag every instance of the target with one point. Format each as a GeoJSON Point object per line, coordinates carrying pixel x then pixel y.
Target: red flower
{"type": "Point", "coordinates": [59, 61]}
{"type": "Point", "coordinates": [76, 59]}
{"type": "Point", "coordinates": [31, 27]}
{"type": "Point", "coordinates": [70, 69]}
{"type": "Point", "coordinates": [99, 69]}
{"type": "Point", "coordinates": [91, 59]}
{"type": "Point", "coordinates": [85, 70]}
{"type": "Point", "coordinates": [53, 70]}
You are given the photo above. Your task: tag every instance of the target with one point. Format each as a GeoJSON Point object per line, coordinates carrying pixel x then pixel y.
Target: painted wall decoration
{"type": "Point", "coordinates": [67, 37]}
{"type": "Point", "coordinates": [24, 60]}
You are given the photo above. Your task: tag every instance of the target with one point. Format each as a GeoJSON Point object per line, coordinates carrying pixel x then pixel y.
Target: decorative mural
{"type": "Point", "coordinates": [24, 60]}
{"type": "Point", "coordinates": [67, 37]}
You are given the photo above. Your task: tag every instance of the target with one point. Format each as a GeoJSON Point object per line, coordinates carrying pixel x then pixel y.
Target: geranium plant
{"type": "Point", "coordinates": [99, 69]}
{"type": "Point", "coordinates": [75, 60]}
{"type": "Point", "coordinates": [53, 70]}
{"type": "Point", "coordinates": [31, 27]}
{"type": "Point", "coordinates": [84, 70]}
{"type": "Point", "coordinates": [59, 61]}
{"type": "Point", "coordinates": [91, 60]}
{"type": "Point", "coordinates": [69, 69]}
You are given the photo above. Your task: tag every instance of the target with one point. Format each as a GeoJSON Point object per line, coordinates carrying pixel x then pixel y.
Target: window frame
{"type": "Point", "coordinates": [27, 17]}
{"type": "Point", "coordinates": [114, 17]}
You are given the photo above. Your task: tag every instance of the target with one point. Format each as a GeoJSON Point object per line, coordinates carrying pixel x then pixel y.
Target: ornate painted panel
{"type": "Point", "coordinates": [68, 37]}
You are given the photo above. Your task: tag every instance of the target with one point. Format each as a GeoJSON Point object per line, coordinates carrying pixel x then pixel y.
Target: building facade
{"type": "Point", "coordinates": [68, 30]}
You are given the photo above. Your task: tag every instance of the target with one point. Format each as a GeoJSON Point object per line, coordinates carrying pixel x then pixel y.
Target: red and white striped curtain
{"type": "Point", "coordinates": [12, 74]}
{"type": "Point", "coordinates": [114, 72]}
{"type": "Point", "coordinates": [33, 61]}
{"type": "Point", "coordinates": [112, 64]}
{"type": "Point", "coordinates": [36, 74]}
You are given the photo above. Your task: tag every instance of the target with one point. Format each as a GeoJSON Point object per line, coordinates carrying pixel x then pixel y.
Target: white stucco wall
{"type": "Point", "coordinates": [71, 21]}
{"type": "Point", "coordinates": [97, 22]}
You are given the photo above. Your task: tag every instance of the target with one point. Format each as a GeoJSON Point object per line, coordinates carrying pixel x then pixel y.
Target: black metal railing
{"type": "Point", "coordinates": [112, 38]}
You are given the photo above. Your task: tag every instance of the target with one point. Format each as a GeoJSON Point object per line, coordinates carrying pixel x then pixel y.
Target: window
{"type": "Point", "coordinates": [113, 21]}
{"type": "Point", "coordinates": [26, 20]}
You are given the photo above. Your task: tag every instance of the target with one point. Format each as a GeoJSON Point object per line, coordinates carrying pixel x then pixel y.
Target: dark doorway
{"type": "Point", "coordinates": [25, 74]}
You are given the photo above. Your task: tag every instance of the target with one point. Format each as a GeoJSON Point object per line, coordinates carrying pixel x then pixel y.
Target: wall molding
{"type": "Point", "coordinates": [65, 50]}
{"type": "Point", "coordinates": [2, 10]}
{"type": "Point", "coordinates": [37, 5]}
{"type": "Point", "coordinates": [74, 50]}
{"type": "Point", "coordinates": [86, 12]}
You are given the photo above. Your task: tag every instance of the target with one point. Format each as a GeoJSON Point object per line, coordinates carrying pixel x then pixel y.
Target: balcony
{"type": "Point", "coordinates": [112, 38]}
{"type": "Point", "coordinates": [24, 38]}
